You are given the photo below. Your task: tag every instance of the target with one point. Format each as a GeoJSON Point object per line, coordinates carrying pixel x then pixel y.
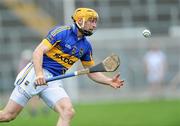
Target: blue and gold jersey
{"type": "Point", "coordinates": [65, 50]}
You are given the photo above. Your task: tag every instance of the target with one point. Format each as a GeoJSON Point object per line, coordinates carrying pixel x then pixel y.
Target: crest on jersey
{"type": "Point", "coordinates": [81, 52]}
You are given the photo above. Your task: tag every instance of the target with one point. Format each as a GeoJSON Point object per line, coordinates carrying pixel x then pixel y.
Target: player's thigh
{"type": "Point", "coordinates": [20, 96]}
{"type": "Point", "coordinates": [16, 102]}
{"type": "Point", "coordinates": [52, 95]}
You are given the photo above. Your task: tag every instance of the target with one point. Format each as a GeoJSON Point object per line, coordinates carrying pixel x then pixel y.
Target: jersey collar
{"type": "Point", "coordinates": [75, 31]}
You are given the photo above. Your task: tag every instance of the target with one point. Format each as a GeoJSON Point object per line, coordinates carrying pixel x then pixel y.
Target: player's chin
{"type": "Point", "coordinates": [92, 30]}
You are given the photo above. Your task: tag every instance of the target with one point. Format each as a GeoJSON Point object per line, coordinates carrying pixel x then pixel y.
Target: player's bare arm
{"type": "Point", "coordinates": [115, 82]}
{"type": "Point", "coordinates": [37, 61]}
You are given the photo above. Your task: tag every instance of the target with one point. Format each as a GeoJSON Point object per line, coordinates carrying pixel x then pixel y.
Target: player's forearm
{"type": "Point", "coordinates": [37, 61]}
{"type": "Point", "coordinates": [100, 78]}
{"type": "Point", "coordinates": [38, 58]}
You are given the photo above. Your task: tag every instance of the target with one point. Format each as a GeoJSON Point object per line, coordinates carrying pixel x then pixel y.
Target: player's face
{"type": "Point", "coordinates": [90, 24]}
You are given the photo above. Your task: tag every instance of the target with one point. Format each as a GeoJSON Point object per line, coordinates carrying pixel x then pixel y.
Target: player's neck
{"type": "Point", "coordinates": [79, 34]}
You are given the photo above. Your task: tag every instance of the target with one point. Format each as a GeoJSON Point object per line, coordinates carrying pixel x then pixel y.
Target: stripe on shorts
{"type": "Point", "coordinates": [24, 74]}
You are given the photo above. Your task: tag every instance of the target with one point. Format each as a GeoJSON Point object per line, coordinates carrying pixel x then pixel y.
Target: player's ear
{"type": "Point", "coordinates": [80, 21]}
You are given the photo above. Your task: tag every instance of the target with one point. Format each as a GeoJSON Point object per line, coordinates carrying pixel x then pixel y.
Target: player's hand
{"type": "Point", "coordinates": [116, 82]}
{"type": "Point", "coordinates": [40, 80]}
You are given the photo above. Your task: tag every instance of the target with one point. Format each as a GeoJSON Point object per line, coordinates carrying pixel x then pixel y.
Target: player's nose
{"type": "Point", "coordinates": [94, 25]}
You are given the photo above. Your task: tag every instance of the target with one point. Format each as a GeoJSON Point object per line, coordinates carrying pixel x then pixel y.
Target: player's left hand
{"type": "Point", "coordinates": [116, 82]}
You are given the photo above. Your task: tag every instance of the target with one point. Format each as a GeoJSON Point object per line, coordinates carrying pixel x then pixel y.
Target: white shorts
{"type": "Point", "coordinates": [25, 88]}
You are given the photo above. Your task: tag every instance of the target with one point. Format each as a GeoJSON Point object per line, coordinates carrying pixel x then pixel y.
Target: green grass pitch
{"type": "Point", "coordinates": [142, 113]}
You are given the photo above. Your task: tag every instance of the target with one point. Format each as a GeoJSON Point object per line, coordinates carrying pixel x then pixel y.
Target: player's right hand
{"type": "Point", "coordinates": [40, 80]}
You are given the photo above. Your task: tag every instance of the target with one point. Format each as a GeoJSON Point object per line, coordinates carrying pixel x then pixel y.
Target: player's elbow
{"type": "Point", "coordinates": [92, 75]}
{"type": "Point", "coordinates": [36, 53]}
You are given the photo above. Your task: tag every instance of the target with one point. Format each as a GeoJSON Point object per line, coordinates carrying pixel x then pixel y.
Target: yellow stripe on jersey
{"type": "Point", "coordinates": [62, 58]}
{"type": "Point", "coordinates": [88, 63]}
{"type": "Point", "coordinates": [48, 44]}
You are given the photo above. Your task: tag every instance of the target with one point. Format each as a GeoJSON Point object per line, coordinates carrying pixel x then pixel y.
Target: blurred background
{"type": "Point", "coordinates": [149, 66]}
{"type": "Point", "coordinates": [23, 24]}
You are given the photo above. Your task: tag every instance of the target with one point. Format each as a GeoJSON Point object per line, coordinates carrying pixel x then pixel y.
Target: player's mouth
{"type": "Point", "coordinates": [91, 30]}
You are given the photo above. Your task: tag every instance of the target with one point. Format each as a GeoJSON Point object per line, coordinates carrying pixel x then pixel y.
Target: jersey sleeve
{"type": "Point", "coordinates": [47, 43]}
{"type": "Point", "coordinates": [87, 59]}
{"type": "Point", "coordinates": [54, 36]}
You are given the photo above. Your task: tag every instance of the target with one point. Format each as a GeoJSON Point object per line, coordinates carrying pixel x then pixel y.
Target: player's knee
{"type": "Point", "coordinates": [69, 112]}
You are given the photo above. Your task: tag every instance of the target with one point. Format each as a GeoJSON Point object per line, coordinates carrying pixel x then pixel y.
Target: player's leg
{"type": "Point", "coordinates": [65, 110]}
{"type": "Point", "coordinates": [18, 98]}
{"type": "Point", "coordinates": [10, 112]}
{"type": "Point", "coordinates": [57, 99]}
{"type": "Point", "coordinates": [17, 101]}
